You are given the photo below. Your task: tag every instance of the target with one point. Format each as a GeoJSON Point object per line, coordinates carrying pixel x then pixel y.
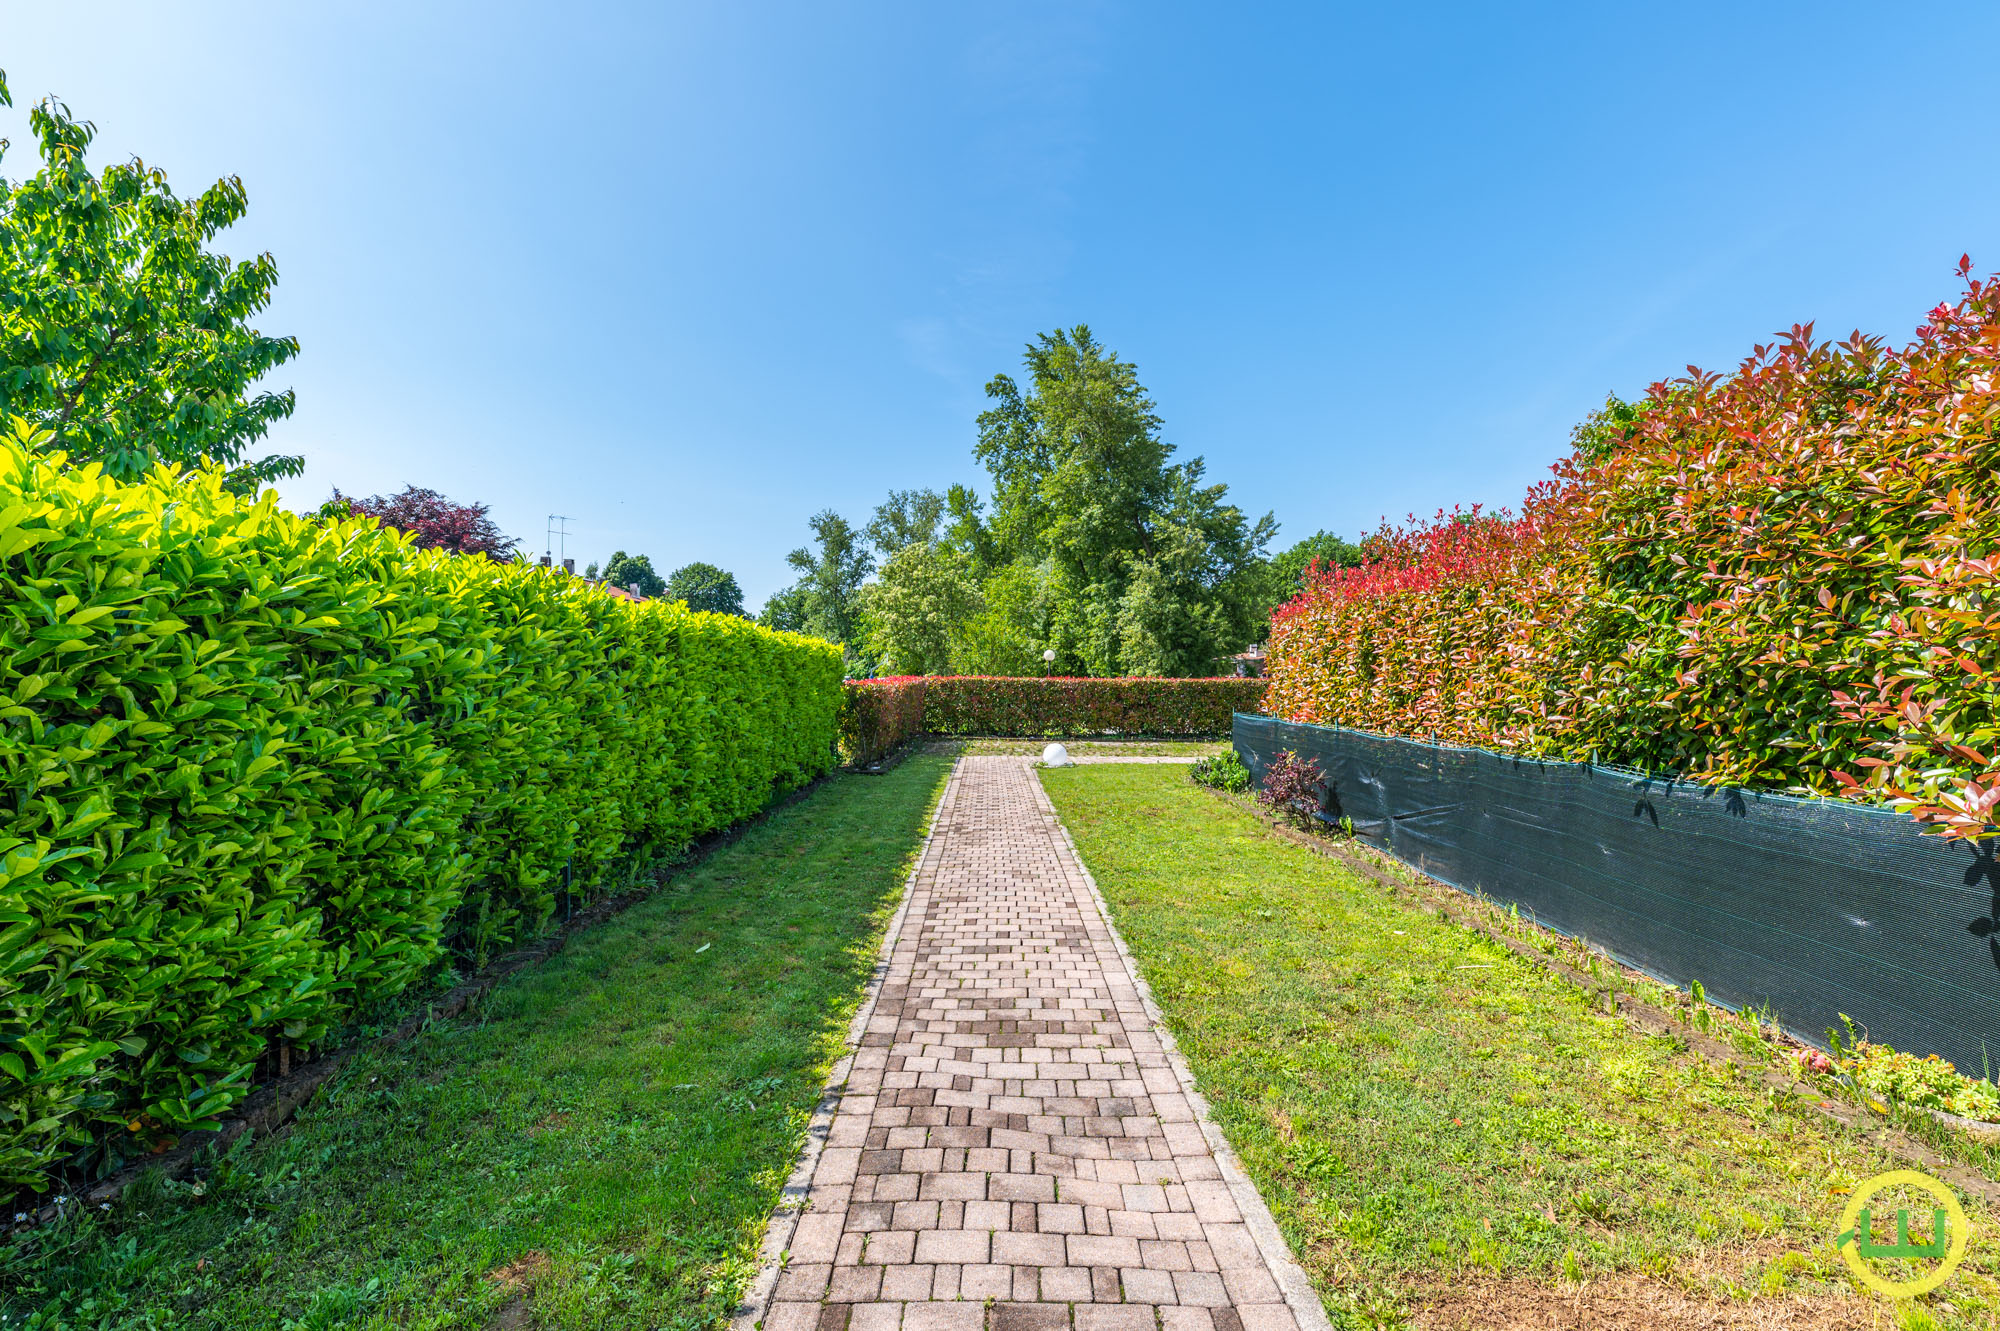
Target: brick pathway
{"type": "Point", "coordinates": [1013, 1144]}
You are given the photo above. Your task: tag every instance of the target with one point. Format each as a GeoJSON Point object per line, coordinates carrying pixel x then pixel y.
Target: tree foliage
{"type": "Point", "coordinates": [635, 573]}
{"type": "Point", "coordinates": [826, 600]}
{"type": "Point", "coordinates": [906, 518]}
{"type": "Point", "coordinates": [437, 523]}
{"type": "Point", "coordinates": [1148, 570]}
{"type": "Point", "coordinates": [705, 587]}
{"type": "Point", "coordinates": [785, 610]}
{"type": "Point", "coordinates": [122, 336]}
{"type": "Point", "coordinates": [916, 607]}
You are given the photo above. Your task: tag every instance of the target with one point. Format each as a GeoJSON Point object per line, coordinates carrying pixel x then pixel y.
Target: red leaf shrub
{"type": "Point", "coordinates": [1291, 788]}
{"type": "Point", "coordinates": [879, 716]}
{"type": "Point", "coordinates": [1783, 577]}
{"type": "Point", "coordinates": [1063, 707]}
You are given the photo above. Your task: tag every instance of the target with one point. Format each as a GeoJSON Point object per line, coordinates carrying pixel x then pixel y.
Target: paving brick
{"type": "Point", "coordinates": [817, 1236]}
{"type": "Point", "coordinates": [953, 1245]}
{"type": "Point", "coordinates": [1251, 1284]}
{"type": "Point", "coordinates": [1143, 1286]}
{"type": "Point", "coordinates": [988, 1215]}
{"type": "Point", "coordinates": [904, 1283]}
{"type": "Point", "coordinates": [1059, 1218]}
{"type": "Point", "coordinates": [875, 1317]}
{"type": "Point", "coordinates": [985, 1280]}
{"type": "Point", "coordinates": [1232, 1245]}
{"type": "Point", "coordinates": [953, 1316]}
{"type": "Point", "coordinates": [1102, 1250]}
{"type": "Point", "coordinates": [1267, 1317]}
{"type": "Point", "coordinates": [1201, 1288]}
{"type": "Point", "coordinates": [785, 1316]}
{"type": "Point", "coordinates": [1186, 1319]}
{"type": "Point", "coordinates": [1028, 1317]}
{"type": "Point", "coordinates": [804, 1281]}
{"type": "Point", "coordinates": [890, 1247]}
{"type": "Point", "coordinates": [1114, 1317]}
{"type": "Point", "coordinates": [1029, 1249]}
{"type": "Point", "coordinates": [855, 1284]}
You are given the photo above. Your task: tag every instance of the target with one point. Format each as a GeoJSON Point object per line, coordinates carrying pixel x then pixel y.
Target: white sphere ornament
{"type": "Point", "coordinates": [1055, 755]}
{"type": "Point", "coordinates": [1049, 654]}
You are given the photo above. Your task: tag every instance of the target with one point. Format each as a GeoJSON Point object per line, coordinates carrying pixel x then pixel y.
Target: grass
{"type": "Point", "coordinates": [1081, 748]}
{"type": "Point", "coordinates": [598, 1145]}
{"type": "Point", "coordinates": [1450, 1134]}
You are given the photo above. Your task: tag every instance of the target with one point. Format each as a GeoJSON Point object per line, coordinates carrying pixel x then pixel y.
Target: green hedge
{"type": "Point", "coordinates": [263, 769]}
{"type": "Point", "coordinates": [879, 716]}
{"type": "Point", "coordinates": [994, 705]}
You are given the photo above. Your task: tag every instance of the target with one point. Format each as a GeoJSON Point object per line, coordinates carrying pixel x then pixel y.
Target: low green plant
{"type": "Point", "coordinates": [1225, 771]}
{"type": "Point", "coordinates": [1899, 1078]}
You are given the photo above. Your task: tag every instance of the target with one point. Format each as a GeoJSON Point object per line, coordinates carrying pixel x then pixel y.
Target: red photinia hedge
{"type": "Point", "coordinates": [995, 705]}
{"type": "Point", "coordinates": [1782, 577]}
{"type": "Point", "coordinates": [879, 716]}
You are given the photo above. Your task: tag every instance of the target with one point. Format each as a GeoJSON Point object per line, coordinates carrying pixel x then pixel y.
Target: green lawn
{"type": "Point", "coordinates": [1448, 1133]}
{"type": "Point", "coordinates": [596, 1146]}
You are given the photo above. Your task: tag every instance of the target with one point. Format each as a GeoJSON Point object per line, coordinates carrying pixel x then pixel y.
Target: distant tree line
{"type": "Point", "coordinates": [1095, 544]}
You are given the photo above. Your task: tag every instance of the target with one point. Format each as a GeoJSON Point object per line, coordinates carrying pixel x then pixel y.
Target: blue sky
{"type": "Point", "coordinates": [689, 274]}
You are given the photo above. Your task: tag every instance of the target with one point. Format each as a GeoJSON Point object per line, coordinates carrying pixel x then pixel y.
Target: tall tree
{"type": "Point", "coordinates": [906, 518]}
{"type": "Point", "coordinates": [831, 572]}
{"type": "Point", "coordinates": [436, 522]}
{"type": "Point", "coordinates": [1148, 570]}
{"type": "Point", "coordinates": [633, 573]}
{"type": "Point", "coordinates": [119, 330]}
{"type": "Point", "coordinates": [705, 587]}
{"type": "Point", "coordinates": [786, 610]}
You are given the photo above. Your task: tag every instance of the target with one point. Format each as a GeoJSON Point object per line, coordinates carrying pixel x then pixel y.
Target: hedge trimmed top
{"type": "Point", "coordinates": [880, 714]}
{"type": "Point", "coordinates": [266, 769]}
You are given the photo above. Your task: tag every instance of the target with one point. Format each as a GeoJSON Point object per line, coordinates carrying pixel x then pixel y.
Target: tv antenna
{"type": "Point", "coordinates": [555, 536]}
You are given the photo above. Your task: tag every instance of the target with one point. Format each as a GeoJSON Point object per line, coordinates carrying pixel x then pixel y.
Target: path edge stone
{"type": "Point", "coordinates": [1300, 1296]}
{"type": "Point", "coordinates": [793, 1197]}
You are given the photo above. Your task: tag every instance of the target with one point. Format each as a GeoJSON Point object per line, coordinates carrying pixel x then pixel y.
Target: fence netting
{"type": "Point", "coordinates": [1807, 908]}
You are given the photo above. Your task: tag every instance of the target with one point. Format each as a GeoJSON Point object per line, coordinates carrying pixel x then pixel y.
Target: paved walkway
{"type": "Point", "coordinates": [1014, 1145]}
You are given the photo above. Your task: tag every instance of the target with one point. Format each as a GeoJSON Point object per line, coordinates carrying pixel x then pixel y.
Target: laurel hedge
{"type": "Point", "coordinates": [263, 770]}
{"type": "Point", "coordinates": [1778, 577]}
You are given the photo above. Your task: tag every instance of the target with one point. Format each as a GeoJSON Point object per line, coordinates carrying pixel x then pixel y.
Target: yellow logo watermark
{"type": "Point", "coordinates": [1948, 1233]}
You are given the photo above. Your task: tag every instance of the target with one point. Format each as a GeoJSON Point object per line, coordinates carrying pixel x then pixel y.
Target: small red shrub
{"type": "Point", "coordinates": [1291, 788]}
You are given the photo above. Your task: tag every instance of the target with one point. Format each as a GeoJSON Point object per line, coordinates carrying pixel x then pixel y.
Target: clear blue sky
{"type": "Point", "coordinates": [689, 274]}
